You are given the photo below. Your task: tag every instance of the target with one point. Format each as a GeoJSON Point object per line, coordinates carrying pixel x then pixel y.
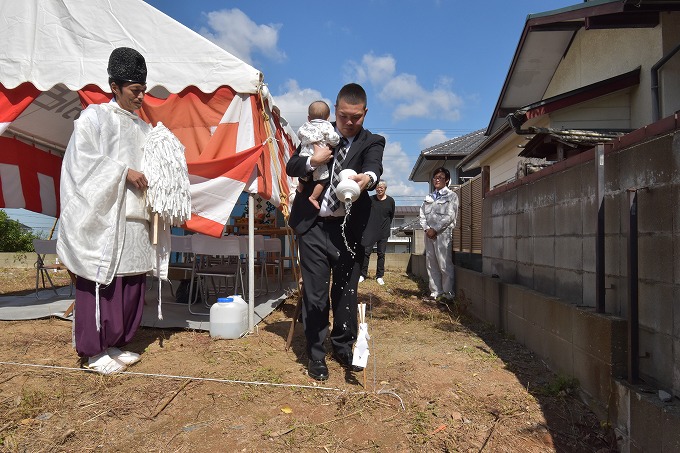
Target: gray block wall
{"type": "Point", "coordinates": [542, 234]}
{"type": "Point", "coordinates": [577, 342]}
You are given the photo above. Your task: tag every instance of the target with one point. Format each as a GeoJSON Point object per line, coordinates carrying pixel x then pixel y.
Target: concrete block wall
{"type": "Point", "coordinates": [541, 235]}
{"type": "Point", "coordinates": [648, 424]}
{"type": "Point", "coordinates": [571, 340]}
{"type": "Point", "coordinates": [578, 342]}
{"type": "Point", "coordinates": [653, 169]}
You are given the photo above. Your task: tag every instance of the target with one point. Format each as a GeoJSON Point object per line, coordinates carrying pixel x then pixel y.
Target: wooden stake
{"type": "Point", "coordinates": [296, 314]}
{"type": "Point", "coordinates": [69, 310]}
{"type": "Point", "coordinates": [154, 241]}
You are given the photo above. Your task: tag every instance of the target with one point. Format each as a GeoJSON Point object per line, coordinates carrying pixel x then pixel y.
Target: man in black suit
{"type": "Point", "coordinates": [322, 247]}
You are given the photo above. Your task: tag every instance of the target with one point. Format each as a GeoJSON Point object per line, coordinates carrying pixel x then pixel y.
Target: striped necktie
{"type": "Point", "coordinates": [340, 155]}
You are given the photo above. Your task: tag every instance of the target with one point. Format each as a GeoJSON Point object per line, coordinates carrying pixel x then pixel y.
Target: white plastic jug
{"type": "Point", "coordinates": [347, 189]}
{"type": "Point", "coordinates": [229, 317]}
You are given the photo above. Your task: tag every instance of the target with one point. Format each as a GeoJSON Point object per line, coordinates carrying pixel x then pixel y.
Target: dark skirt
{"type": "Point", "coordinates": [121, 304]}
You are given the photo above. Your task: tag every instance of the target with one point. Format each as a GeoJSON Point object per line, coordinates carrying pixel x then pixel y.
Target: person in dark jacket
{"type": "Point", "coordinates": [378, 230]}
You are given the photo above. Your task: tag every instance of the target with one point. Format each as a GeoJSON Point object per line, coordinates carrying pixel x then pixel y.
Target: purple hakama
{"type": "Point", "coordinates": [121, 305]}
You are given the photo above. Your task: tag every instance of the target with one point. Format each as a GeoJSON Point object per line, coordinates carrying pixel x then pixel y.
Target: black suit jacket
{"type": "Point", "coordinates": [364, 155]}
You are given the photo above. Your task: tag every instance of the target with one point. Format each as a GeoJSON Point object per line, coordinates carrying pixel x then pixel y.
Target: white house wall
{"type": "Point", "coordinates": [593, 56]}
{"type": "Point", "coordinates": [505, 170]}
{"type": "Point", "coordinates": [609, 112]}
{"type": "Point", "coordinates": [596, 55]}
{"type": "Point", "coordinates": [504, 157]}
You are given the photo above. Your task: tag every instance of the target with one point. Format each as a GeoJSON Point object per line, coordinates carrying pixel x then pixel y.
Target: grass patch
{"type": "Point", "coordinates": [560, 386]}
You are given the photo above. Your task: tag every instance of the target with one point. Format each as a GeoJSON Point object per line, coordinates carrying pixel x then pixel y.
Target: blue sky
{"type": "Point", "coordinates": [432, 69]}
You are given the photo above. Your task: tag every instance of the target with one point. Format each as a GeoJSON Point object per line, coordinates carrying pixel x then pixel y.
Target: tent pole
{"type": "Point", "coordinates": [251, 262]}
{"type": "Point", "coordinates": [274, 151]}
{"type": "Point", "coordinates": [53, 147]}
{"type": "Point", "coordinates": [54, 225]}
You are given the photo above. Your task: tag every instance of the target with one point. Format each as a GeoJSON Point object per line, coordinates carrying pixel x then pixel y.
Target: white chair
{"type": "Point", "coordinates": [214, 259]}
{"type": "Point", "coordinates": [182, 245]}
{"type": "Point", "coordinates": [42, 248]}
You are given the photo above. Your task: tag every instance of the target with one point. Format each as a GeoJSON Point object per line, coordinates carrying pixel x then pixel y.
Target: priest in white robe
{"type": "Point", "coordinates": [104, 228]}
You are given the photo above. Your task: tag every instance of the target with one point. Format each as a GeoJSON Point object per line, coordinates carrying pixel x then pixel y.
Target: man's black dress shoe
{"type": "Point", "coordinates": [345, 360]}
{"type": "Point", "coordinates": [317, 369]}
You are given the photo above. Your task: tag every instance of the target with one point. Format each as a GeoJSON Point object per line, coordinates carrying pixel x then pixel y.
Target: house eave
{"type": "Point", "coordinates": [546, 37]}
{"type": "Point", "coordinates": [473, 160]}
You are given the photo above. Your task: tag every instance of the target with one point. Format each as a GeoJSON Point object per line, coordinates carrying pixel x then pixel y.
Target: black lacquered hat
{"type": "Point", "coordinates": [128, 65]}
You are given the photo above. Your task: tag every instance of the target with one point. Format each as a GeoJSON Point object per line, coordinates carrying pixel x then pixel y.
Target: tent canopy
{"type": "Point", "coordinates": [54, 63]}
{"type": "Point", "coordinates": [69, 42]}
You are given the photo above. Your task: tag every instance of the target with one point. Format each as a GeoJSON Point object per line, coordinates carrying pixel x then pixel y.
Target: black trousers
{"type": "Point", "coordinates": [381, 246]}
{"type": "Point", "coordinates": [323, 254]}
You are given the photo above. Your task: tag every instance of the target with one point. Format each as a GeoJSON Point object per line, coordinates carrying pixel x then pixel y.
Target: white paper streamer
{"type": "Point", "coordinates": [361, 353]}
{"type": "Point", "coordinates": [165, 168]}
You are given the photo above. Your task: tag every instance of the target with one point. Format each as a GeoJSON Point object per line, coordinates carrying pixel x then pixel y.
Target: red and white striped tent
{"type": "Point", "coordinates": [53, 63]}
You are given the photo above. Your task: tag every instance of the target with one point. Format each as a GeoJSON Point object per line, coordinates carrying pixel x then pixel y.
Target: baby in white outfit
{"type": "Point", "coordinates": [317, 130]}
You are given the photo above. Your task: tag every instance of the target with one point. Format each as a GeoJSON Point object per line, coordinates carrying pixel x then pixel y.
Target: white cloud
{"type": "Point", "coordinates": [403, 91]}
{"type": "Point", "coordinates": [236, 33]}
{"type": "Point", "coordinates": [376, 70]}
{"type": "Point", "coordinates": [435, 137]}
{"type": "Point", "coordinates": [293, 103]}
{"type": "Point", "coordinates": [397, 166]}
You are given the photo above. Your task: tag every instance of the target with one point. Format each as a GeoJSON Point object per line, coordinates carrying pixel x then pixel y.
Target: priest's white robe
{"type": "Point", "coordinates": [104, 222]}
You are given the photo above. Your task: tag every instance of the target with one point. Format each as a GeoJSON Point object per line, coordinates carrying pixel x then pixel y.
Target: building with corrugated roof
{"type": "Point", "coordinates": [448, 155]}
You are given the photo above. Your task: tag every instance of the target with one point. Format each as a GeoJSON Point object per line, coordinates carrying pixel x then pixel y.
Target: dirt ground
{"type": "Point", "coordinates": [437, 381]}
